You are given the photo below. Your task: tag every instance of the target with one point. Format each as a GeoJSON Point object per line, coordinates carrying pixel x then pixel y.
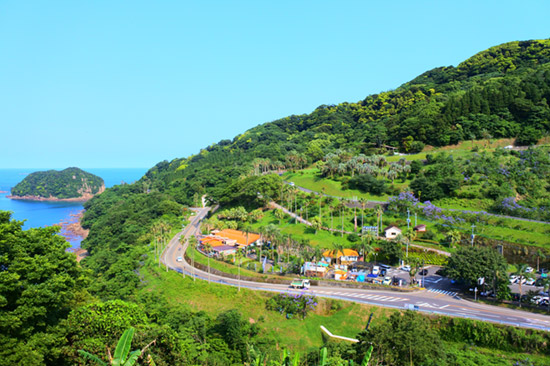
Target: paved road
{"type": "Point", "coordinates": [428, 301]}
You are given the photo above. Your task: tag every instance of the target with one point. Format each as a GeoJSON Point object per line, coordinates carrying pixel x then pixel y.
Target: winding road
{"type": "Point", "coordinates": [422, 300]}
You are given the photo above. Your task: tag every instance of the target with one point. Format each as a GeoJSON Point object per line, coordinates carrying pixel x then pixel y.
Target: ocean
{"type": "Point", "coordinates": [41, 213]}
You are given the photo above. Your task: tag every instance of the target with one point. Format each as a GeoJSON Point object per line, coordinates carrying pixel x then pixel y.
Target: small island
{"type": "Point", "coordinates": [71, 184]}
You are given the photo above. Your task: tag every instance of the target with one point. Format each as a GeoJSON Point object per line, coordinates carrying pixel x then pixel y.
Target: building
{"type": "Point", "coordinates": [420, 228]}
{"type": "Point", "coordinates": [315, 269]}
{"type": "Point", "coordinates": [238, 238]}
{"type": "Point", "coordinates": [224, 250]}
{"type": "Point", "coordinates": [349, 256]}
{"type": "Point", "coordinates": [392, 231]}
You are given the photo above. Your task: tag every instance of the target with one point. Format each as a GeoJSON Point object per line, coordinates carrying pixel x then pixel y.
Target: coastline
{"type": "Point", "coordinates": [71, 228]}
{"type": "Point", "coordinates": [50, 199]}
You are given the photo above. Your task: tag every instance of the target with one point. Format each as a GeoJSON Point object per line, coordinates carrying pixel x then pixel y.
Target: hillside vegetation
{"type": "Point", "coordinates": [64, 184]}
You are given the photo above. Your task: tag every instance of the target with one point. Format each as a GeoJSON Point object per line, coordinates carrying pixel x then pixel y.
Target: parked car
{"type": "Point", "coordinates": [529, 269]}
{"type": "Point", "coordinates": [522, 280]}
{"type": "Point", "coordinates": [387, 281]}
{"type": "Point", "coordinates": [406, 268]}
{"type": "Point", "coordinates": [397, 281]}
{"type": "Point", "coordinates": [375, 270]}
{"type": "Point", "coordinates": [423, 272]}
{"type": "Point", "coordinates": [513, 278]}
{"type": "Point", "coordinates": [530, 281]}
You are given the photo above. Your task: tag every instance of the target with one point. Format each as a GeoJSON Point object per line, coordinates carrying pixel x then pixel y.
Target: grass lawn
{"type": "Point", "coordinates": [340, 317]}
{"type": "Point", "coordinates": [310, 179]}
{"type": "Point", "coordinates": [322, 239]}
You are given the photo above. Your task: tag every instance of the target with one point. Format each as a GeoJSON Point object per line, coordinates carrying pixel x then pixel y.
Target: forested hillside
{"type": "Point", "coordinates": [501, 92]}
{"type": "Point", "coordinates": [64, 184]}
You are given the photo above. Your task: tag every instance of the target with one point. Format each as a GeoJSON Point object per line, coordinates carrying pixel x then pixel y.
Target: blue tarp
{"type": "Point", "coordinates": [360, 278]}
{"type": "Point", "coordinates": [370, 275]}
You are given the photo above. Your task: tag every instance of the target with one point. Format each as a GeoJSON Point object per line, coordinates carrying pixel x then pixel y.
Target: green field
{"type": "Point", "coordinates": [342, 318]}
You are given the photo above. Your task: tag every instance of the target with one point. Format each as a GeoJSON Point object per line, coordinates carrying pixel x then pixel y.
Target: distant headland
{"type": "Point", "coordinates": [71, 184]}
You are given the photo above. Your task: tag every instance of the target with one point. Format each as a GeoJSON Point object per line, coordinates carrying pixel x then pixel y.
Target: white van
{"type": "Point", "coordinates": [375, 270]}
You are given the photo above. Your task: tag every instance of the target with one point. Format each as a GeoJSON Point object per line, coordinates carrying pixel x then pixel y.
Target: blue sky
{"type": "Point", "coordinates": [131, 83]}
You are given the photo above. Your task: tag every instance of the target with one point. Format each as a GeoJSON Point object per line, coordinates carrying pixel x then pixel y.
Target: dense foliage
{"type": "Point", "coordinates": [39, 283]}
{"type": "Point", "coordinates": [67, 183]}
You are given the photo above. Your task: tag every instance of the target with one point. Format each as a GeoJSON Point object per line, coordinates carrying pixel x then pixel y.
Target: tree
{"type": "Point", "coordinates": [122, 356]}
{"type": "Point", "coordinates": [316, 224]}
{"type": "Point", "coordinates": [469, 264]}
{"type": "Point", "coordinates": [39, 283]}
{"type": "Point", "coordinates": [540, 254]}
{"type": "Point", "coordinates": [379, 213]}
{"type": "Point", "coordinates": [454, 237]}
{"type": "Point", "coordinates": [521, 272]}
{"type": "Point", "coordinates": [279, 214]}
{"type": "Point", "coordinates": [391, 251]}
{"type": "Point", "coordinates": [396, 341]}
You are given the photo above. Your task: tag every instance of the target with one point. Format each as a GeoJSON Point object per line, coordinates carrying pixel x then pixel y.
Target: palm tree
{"type": "Point", "coordinates": [540, 255]}
{"type": "Point", "coordinates": [363, 203]}
{"type": "Point", "coordinates": [522, 274]}
{"type": "Point", "coordinates": [208, 249]}
{"type": "Point", "coordinates": [410, 235]}
{"type": "Point", "coordinates": [279, 214]}
{"type": "Point", "coordinates": [379, 213]}
{"type": "Point", "coordinates": [123, 356]}
{"type": "Point", "coordinates": [454, 236]}
{"type": "Point", "coordinates": [341, 207]}
{"type": "Point", "coordinates": [193, 243]}
{"type": "Point", "coordinates": [238, 257]}
{"type": "Point", "coordinates": [316, 224]}
{"type": "Point", "coordinates": [402, 239]}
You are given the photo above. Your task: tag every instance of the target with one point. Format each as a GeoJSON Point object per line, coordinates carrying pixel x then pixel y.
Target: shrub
{"type": "Point", "coordinates": [292, 304]}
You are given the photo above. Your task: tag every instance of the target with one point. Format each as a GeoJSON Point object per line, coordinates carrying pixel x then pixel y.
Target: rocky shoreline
{"type": "Point", "coordinates": [83, 198]}
{"type": "Point", "coordinates": [71, 228]}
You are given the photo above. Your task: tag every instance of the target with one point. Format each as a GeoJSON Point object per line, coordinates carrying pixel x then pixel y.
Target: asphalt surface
{"type": "Point", "coordinates": [436, 298]}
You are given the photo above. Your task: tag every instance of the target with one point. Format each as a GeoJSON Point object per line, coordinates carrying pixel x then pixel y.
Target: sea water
{"type": "Point", "coordinates": [46, 213]}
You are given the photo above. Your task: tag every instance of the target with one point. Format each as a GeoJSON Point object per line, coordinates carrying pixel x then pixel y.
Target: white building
{"type": "Point", "coordinates": [391, 232]}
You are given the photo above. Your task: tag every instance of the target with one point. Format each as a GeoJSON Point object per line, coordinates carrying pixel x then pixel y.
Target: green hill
{"type": "Point", "coordinates": [70, 183]}
{"type": "Point", "coordinates": [498, 93]}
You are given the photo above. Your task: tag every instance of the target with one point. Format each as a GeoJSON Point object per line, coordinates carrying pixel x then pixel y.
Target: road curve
{"type": "Point", "coordinates": [424, 301]}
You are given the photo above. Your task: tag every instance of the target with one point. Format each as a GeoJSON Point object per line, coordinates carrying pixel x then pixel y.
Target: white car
{"type": "Point", "coordinates": [523, 279]}
{"type": "Point", "coordinates": [406, 268]}
{"type": "Point", "coordinates": [179, 259]}
{"type": "Point", "coordinates": [513, 278]}
{"type": "Point", "coordinates": [529, 269]}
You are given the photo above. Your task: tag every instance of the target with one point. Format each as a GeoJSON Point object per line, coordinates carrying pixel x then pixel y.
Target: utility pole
{"type": "Point", "coordinates": [473, 235]}
{"type": "Point", "coordinates": [415, 224]}
{"type": "Point", "coordinates": [408, 218]}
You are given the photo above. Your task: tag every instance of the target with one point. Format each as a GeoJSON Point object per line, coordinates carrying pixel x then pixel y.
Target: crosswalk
{"type": "Point", "coordinates": [443, 292]}
{"type": "Point", "coordinates": [364, 296]}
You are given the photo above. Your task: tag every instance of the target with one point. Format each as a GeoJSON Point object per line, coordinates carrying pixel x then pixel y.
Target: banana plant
{"type": "Point", "coordinates": [122, 356]}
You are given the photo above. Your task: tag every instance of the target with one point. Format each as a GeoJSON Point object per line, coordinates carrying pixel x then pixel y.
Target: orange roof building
{"type": "Point", "coordinates": [238, 236]}
{"type": "Point", "coordinates": [347, 253]}
{"type": "Point", "coordinates": [214, 242]}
